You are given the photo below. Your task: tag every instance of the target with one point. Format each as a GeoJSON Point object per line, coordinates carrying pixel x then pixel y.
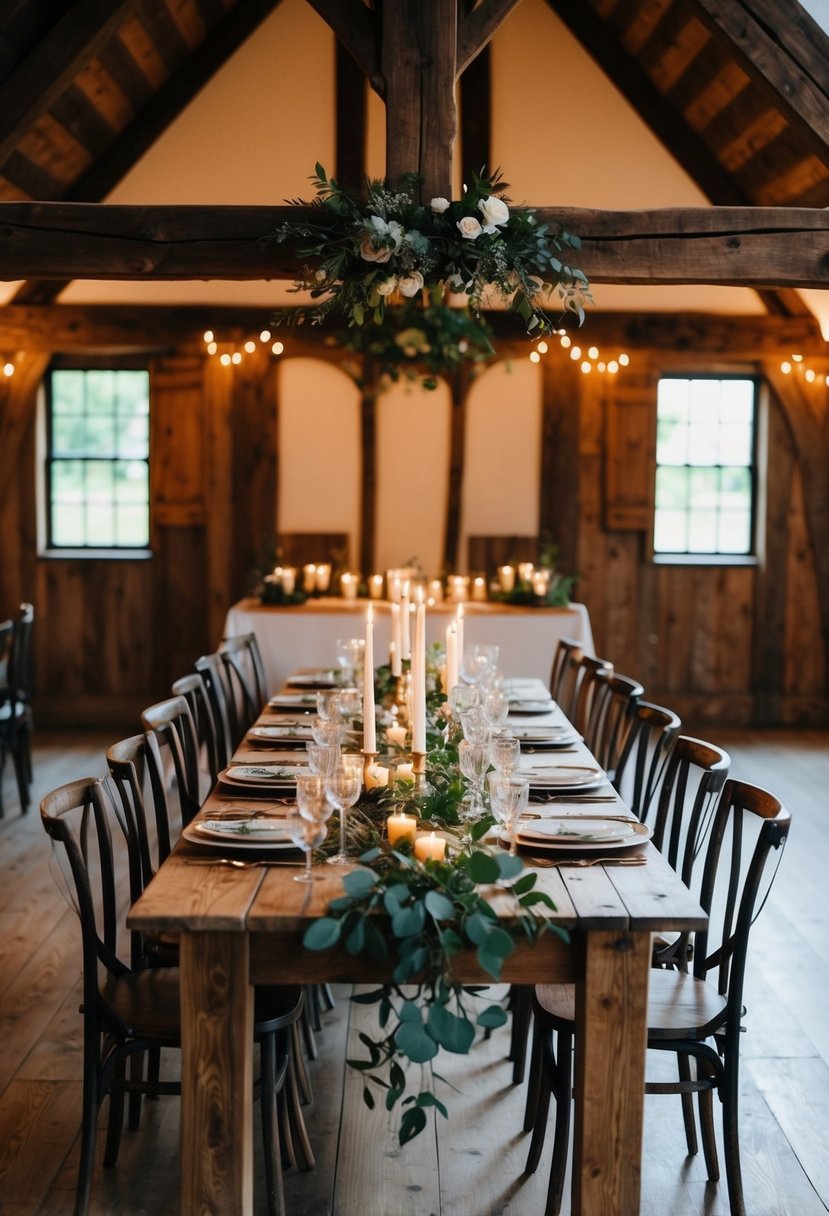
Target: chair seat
{"type": "Point", "coordinates": [680, 1006]}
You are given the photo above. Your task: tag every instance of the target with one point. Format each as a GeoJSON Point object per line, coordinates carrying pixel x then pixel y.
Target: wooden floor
{"type": "Point", "coordinates": [470, 1166]}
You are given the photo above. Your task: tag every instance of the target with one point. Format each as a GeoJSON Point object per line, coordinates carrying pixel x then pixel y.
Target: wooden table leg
{"type": "Point", "coordinates": [611, 1038]}
{"type": "Point", "coordinates": [216, 1075]}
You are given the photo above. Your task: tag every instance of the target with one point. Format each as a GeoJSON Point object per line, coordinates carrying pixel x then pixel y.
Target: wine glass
{"type": "Point", "coordinates": [476, 729]}
{"type": "Point", "coordinates": [311, 798]}
{"type": "Point", "coordinates": [473, 664]}
{"type": "Point", "coordinates": [349, 704]}
{"type": "Point", "coordinates": [509, 797]}
{"type": "Point", "coordinates": [323, 758]}
{"type": "Point", "coordinates": [306, 834]}
{"type": "Point", "coordinates": [328, 731]}
{"type": "Point", "coordinates": [343, 789]}
{"type": "Point", "coordinates": [473, 760]}
{"type": "Point", "coordinates": [463, 697]}
{"type": "Point", "coordinates": [350, 652]}
{"type": "Point", "coordinates": [328, 704]}
{"type": "Point", "coordinates": [505, 752]}
{"type": "Point", "coordinates": [496, 706]}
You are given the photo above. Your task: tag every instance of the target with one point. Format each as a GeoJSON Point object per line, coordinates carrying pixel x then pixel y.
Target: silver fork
{"type": "Point", "coordinates": [235, 862]}
{"type": "Point", "coordinates": [548, 862]}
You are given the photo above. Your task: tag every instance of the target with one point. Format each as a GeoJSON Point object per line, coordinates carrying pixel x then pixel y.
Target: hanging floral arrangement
{"type": "Point", "coordinates": [362, 257]}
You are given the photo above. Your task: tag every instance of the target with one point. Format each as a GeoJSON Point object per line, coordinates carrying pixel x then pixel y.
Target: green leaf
{"type": "Point", "coordinates": [499, 942]}
{"type": "Point", "coordinates": [426, 1099]}
{"type": "Point", "coordinates": [480, 829]}
{"type": "Point", "coordinates": [359, 883]}
{"type": "Point", "coordinates": [451, 942]}
{"type": "Point", "coordinates": [375, 947]}
{"type": "Point", "coordinates": [491, 963]}
{"type": "Point", "coordinates": [477, 928]}
{"type": "Point", "coordinates": [410, 1012]}
{"type": "Point", "coordinates": [356, 939]}
{"type": "Point", "coordinates": [524, 884]}
{"type": "Point", "coordinates": [482, 867]}
{"type": "Point", "coordinates": [452, 1032]}
{"type": "Point", "coordinates": [438, 906]}
{"type": "Point", "coordinates": [322, 934]}
{"type": "Point", "coordinates": [508, 865]}
{"type": "Point", "coordinates": [492, 1017]}
{"type": "Point", "coordinates": [341, 904]}
{"type": "Point", "coordinates": [415, 1043]}
{"type": "Point", "coordinates": [368, 1097]}
{"type": "Point", "coordinates": [411, 1125]}
{"type": "Point", "coordinates": [409, 921]}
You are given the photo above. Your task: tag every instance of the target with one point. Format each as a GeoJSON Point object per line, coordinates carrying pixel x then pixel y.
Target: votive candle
{"type": "Point", "coordinates": [375, 586]}
{"type": "Point", "coordinates": [322, 575]}
{"type": "Point", "coordinates": [479, 588]}
{"type": "Point", "coordinates": [288, 580]}
{"type": "Point", "coordinates": [348, 586]}
{"type": "Point", "coordinates": [376, 775]}
{"type": "Point", "coordinates": [430, 847]}
{"type": "Point", "coordinates": [506, 577]}
{"type": "Point", "coordinates": [396, 735]}
{"type": "Point", "coordinates": [309, 576]}
{"type": "Point", "coordinates": [401, 827]}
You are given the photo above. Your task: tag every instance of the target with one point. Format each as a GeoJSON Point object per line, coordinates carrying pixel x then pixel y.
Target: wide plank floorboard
{"type": "Point", "coordinates": [470, 1165]}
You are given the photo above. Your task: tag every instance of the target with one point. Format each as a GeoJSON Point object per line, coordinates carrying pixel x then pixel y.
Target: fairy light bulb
{"type": "Point", "coordinates": [542, 348]}
{"type": "Point", "coordinates": [575, 352]}
{"type": "Point", "coordinates": [601, 366]}
{"type": "Point", "coordinates": [212, 347]}
{"type": "Point", "coordinates": [797, 358]}
{"type": "Point", "coordinates": [613, 367]}
{"type": "Point", "coordinates": [535, 357]}
{"type": "Point", "coordinates": [250, 347]}
{"type": "Point", "coordinates": [278, 348]}
{"type": "Point", "coordinates": [208, 335]}
{"type": "Point", "coordinates": [785, 367]}
{"type": "Point", "coordinates": [8, 369]}
{"type": "Point", "coordinates": [586, 366]}
{"type": "Point", "coordinates": [593, 352]}
{"type": "Point", "coordinates": [225, 359]}
{"type": "Point", "coordinates": [265, 335]}
{"type": "Point", "coordinates": [565, 341]}
{"type": "Point", "coordinates": [809, 374]}
{"type": "Point", "coordinates": [624, 360]}
{"type": "Point", "coordinates": [236, 357]}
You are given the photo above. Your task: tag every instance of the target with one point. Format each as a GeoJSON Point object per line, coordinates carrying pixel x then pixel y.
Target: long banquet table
{"type": "Point", "coordinates": [291, 637]}
{"type": "Point", "coordinates": [242, 927]}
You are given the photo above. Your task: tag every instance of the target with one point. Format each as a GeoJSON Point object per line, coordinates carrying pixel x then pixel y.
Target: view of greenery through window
{"type": "Point", "coordinates": [98, 459]}
{"type": "Point", "coordinates": [704, 466]}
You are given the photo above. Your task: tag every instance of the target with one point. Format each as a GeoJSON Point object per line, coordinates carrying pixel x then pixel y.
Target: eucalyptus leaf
{"type": "Point", "coordinates": [499, 942]}
{"type": "Point", "coordinates": [359, 883]}
{"type": "Point", "coordinates": [427, 1099]}
{"type": "Point", "coordinates": [411, 1125]}
{"type": "Point", "coordinates": [322, 934]}
{"type": "Point", "coordinates": [410, 1012]}
{"type": "Point", "coordinates": [454, 1033]}
{"type": "Point", "coordinates": [438, 906]}
{"type": "Point", "coordinates": [508, 865]}
{"type": "Point", "coordinates": [356, 939]}
{"type": "Point", "coordinates": [409, 921]}
{"type": "Point", "coordinates": [368, 1097]}
{"type": "Point", "coordinates": [491, 963]}
{"type": "Point", "coordinates": [477, 928]}
{"type": "Point", "coordinates": [415, 1043]}
{"type": "Point", "coordinates": [482, 867]}
{"type": "Point", "coordinates": [492, 1017]}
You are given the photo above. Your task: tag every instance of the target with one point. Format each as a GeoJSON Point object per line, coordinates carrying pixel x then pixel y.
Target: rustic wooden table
{"type": "Point", "coordinates": [243, 927]}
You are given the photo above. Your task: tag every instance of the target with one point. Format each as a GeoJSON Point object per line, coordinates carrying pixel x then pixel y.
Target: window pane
{"type": "Point", "coordinates": [672, 487]}
{"type": "Point", "coordinates": [671, 531]}
{"type": "Point", "coordinates": [737, 401]}
{"type": "Point", "coordinates": [704, 488]}
{"type": "Point", "coordinates": [671, 441]}
{"type": "Point", "coordinates": [735, 443]}
{"type": "Point", "coordinates": [735, 532]}
{"type": "Point", "coordinates": [702, 531]}
{"type": "Point", "coordinates": [100, 417]}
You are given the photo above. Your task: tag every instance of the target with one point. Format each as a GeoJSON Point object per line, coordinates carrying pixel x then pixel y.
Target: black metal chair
{"type": "Point", "coordinates": [696, 1015]}
{"type": "Point", "coordinates": [563, 674]}
{"type": "Point", "coordinates": [644, 759]}
{"type": "Point", "coordinates": [15, 701]}
{"type": "Point", "coordinates": [611, 716]}
{"type": "Point", "coordinates": [173, 764]}
{"type": "Point", "coordinates": [129, 1011]}
{"type": "Point", "coordinates": [194, 690]}
{"type": "Point", "coordinates": [246, 675]}
{"type": "Point", "coordinates": [214, 676]}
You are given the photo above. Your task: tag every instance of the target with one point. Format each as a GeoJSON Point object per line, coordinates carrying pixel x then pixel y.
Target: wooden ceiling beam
{"type": "Point", "coordinates": [75, 327]}
{"type": "Point", "coordinates": [357, 29]}
{"type": "Point", "coordinates": [54, 63]}
{"type": "Point", "coordinates": [739, 246]}
{"type": "Point", "coordinates": [477, 28]}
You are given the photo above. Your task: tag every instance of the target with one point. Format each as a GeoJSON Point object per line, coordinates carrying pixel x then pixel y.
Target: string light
{"type": "Point", "coordinates": [588, 361]}
{"type": "Point", "coordinates": [8, 368]}
{"type": "Point", "coordinates": [236, 356]}
{"type": "Point", "coordinates": [799, 367]}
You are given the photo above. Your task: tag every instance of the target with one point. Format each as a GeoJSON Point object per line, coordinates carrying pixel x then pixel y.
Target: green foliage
{"type": "Point", "coordinates": [363, 257]}
{"type": "Point", "coordinates": [421, 916]}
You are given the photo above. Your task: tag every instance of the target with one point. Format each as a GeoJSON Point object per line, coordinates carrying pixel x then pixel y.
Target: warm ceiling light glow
{"type": "Point", "coordinates": [613, 367]}
{"type": "Point", "coordinates": [8, 369]}
{"type": "Point", "coordinates": [225, 359]}
{"type": "Point", "coordinates": [542, 348]}
{"type": "Point", "coordinates": [586, 367]}
{"type": "Point", "coordinates": [250, 347]}
{"type": "Point", "coordinates": [278, 348]}
{"type": "Point", "coordinates": [602, 367]}
{"type": "Point", "coordinates": [236, 357]}
{"type": "Point", "coordinates": [265, 335]}
{"type": "Point", "coordinates": [624, 360]}
{"type": "Point", "coordinates": [809, 374]}
{"type": "Point", "coordinates": [797, 358]}
{"type": "Point", "coordinates": [575, 353]}
{"type": "Point", "coordinates": [208, 335]}
{"type": "Point", "coordinates": [785, 367]}
{"type": "Point", "coordinates": [593, 352]}
{"type": "Point", "coordinates": [212, 348]}
{"type": "Point", "coordinates": [565, 341]}
{"type": "Point", "coordinates": [535, 357]}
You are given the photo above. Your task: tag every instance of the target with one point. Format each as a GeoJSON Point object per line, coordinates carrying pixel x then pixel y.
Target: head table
{"type": "Point", "coordinates": [243, 927]}
{"type": "Point", "coordinates": [291, 637]}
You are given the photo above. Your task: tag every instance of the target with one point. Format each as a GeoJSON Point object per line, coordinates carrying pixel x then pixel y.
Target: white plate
{"type": "Point", "coordinates": [293, 700]}
{"type": "Point", "coordinates": [313, 679]}
{"type": "Point", "coordinates": [641, 832]}
{"type": "Point", "coordinates": [545, 741]}
{"type": "Point", "coordinates": [572, 829]}
{"type": "Point", "coordinates": [276, 778]}
{"type": "Point", "coordinates": [531, 707]}
{"type": "Point", "coordinates": [538, 734]}
{"type": "Point", "coordinates": [562, 776]}
{"type": "Point", "coordinates": [234, 841]}
{"type": "Point", "coordinates": [300, 735]}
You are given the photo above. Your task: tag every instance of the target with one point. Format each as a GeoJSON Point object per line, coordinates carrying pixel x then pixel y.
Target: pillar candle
{"type": "Point", "coordinates": [323, 576]}
{"type": "Point", "coordinates": [401, 827]}
{"type": "Point", "coordinates": [376, 775]}
{"type": "Point", "coordinates": [430, 848]}
{"type": "Point", "coordinates": [396, 735]}
{"type": "Point", "coordinates": [369, 719]}
{"type": "Point", "coordinates": [309, 576]}
{"type": "Point", "coordinates": [375, 586]}
{"type": "Point", "coordinates": [419, 682]}
{"type": "Point", "coordinates": [405, 621]}
{"type": "Point", "coordinates": [288, 580]}
{"type": "Point", "coordinates": [479, 588]}
{"type": "Point", "coordinates": [348, 586]}
{"type": "Point", "coordinates": [506, 577]}
{"type": "Point", "coordinates": [396, 648]}
{"type": "Point", "coordinates": [451, 656]}
{"type": "Point", "coordinates": [459, 624]}
{"type": "Point", "coordinates": [525, 571]}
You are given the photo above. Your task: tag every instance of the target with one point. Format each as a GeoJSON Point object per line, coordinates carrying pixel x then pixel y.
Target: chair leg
{"type": "Point", "coordinates": [303, 1076]}
{"type": "Point", "coordinates": [293, 1106]}
{"type": "Point", "coordinates": [20, 774]}
{"type": "Point", "coordinates": [115, 1122]}
{"type": "Point", "coordinates": [521, 1015]}
{"type": "Point", "coordinates": [562, 1087]}
{"type": "Point", "coordinates": [731, 1137]}
{"type": "Point", "coordinates": [89, 1118]}
{"type": "Point", "coordinates": [536, 1080]}
{"type": "Point", "coordinates": [270, 1126]}
{"type": "Point", "coordinates": [134, 1102]}
{"type": "Point", "coordinates": [684, 1066]}
{"type": "Point", "coordinates": [545, 1069]}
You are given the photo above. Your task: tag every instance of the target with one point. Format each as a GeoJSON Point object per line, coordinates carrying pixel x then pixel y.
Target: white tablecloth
{"type": "Point", "coordinates": [306, 636]}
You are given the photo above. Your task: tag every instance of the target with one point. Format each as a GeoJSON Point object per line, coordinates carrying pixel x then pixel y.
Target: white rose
{"type": "Point", "coordinates": [469, 228]}
{"type": "Point", "coordinates": [387, 286]}
{"type": "Point", "coordinates": [369, 254]}
{"type": "Point", "coordinates": [439, 205]}
{"type": "Point", "coordinates": [494, 210]}
{"type": "Point", "coordinates": [411, 284]}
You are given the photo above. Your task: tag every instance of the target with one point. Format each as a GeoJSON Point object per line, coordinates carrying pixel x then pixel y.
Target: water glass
{"type": "Point", "coordinates": [509, 797]}
{"type": "Point", "coordinates": [349, 704]}
{"type": "Point", "coordinates": [505, 752]}
{"type": "Point", "coordinates": [473, 664]}
{"type": "Point", "coordinates": [328, 731]}
{"type": "Point", "coordinates": [476, 729]}
{"type": "Point", "coordinates": [350, 653]}
{"type": "Point", "coordinates": [473, 760]}
{"type": "Point", "coordinates": [463, 697]}
{"type": "Point", "coordinates": [343, 789]}
{"type": "Point", "coordinates": [328, 706]}
{"type": "Point", "coordinates": [306, 834]}
{"type": "Point", "coordinates": [311, 798]}
{"type": "Point", "coordinates": [323, 758]}
{"type": "Point", "coordinates": [496, 706]}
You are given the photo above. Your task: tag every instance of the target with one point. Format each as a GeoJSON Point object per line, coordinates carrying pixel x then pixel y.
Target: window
{"type": "Point", "coordinates": [705, 466]}
{"type": "Point", "coordinates": [97, 462]}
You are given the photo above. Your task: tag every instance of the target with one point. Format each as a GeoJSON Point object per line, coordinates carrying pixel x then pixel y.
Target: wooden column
{"type": "Point", "coordinates": [368, 483]}
{"type": "Point", "coordinates": [558, 512]}
{"type": "Point", "coordinates": [457, 442]}
{"type": "Point", "coordinates": [18, 397]}
{"type": "Point", "coordinates": [351, 120]}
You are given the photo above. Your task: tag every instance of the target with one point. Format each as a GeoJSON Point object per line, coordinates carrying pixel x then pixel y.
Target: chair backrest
{"type": "Point", "coordinates": [215, 677]}
{"type": "Point", "coordinates": [129, 772]}
{"type": "Point", "coordinates": [6, 635]}
{"type": "Point", "coordinates": [20, 658]}
{"type": "Point", "coordinates": [611, 715]}
{"type": "Point", "coordinates": [246, 672]}
{"type": "Point", "coordinates": [80, 816]}
{"type": "Point", "coordinates": [749, 823]}
{"type": "Point", "coordinates": [563, 673]}
{"type": "Point", "coordinates": [172, 761]}
{"type": "Point", "coordinates": [588, 669]}
{"type": "Point", "coordinates": [194, 690]}
{"type": "Point", "coordinates": [694, 778]}
{"type": "Point", "coordinates": [644, 759]}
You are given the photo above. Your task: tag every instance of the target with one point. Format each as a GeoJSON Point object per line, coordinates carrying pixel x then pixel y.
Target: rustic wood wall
{"type": "Point", "coordinates": [735, 643]}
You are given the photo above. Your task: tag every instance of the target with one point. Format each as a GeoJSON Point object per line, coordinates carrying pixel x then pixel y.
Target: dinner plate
{"type": "Point", "coordinates": [562, 776]}
{"type": "Point", "coordinates": [541, 734]}
{"type": "Point", "coordinates": [262, 777]}
{"type": "Point", "coordinates": [544, 740]}
{"type": "Point", "coordinates": [578, 829]}
{"type": "Point", "coordinates": [531, 707]}
{"type": "Point", "coordinates": [298, 735]}
{"type": "Point", "coordinates": [293, 700]}
{"type": "Point", "coordinates": [312, 679]}
{"type": "Point", "coordinates": [529, 838]}
{"type": "Point", "coordinates": [235, 841]}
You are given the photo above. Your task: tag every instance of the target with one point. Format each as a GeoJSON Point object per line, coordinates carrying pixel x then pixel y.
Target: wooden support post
{"type": "Point", "coordinates": [457, 440]}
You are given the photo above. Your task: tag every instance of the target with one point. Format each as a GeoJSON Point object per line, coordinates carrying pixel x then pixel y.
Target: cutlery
{"type": "Point", "coordinates": [578, 798]}
{"type": "Point", "coordinates": [576, 818]}
{"type": "Point", "coordinates": [581, 862]}
{"type": "Point", "coordinates": [235, 863]}
{"type": "Point", "coordinates": [560, 751]}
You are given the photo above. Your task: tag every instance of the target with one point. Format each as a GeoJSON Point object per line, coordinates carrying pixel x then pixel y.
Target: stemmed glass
{"type": "Point", "coordinates": [328, 731]}
{"type": "Point", "coordinates": [349, 704]}
{"type": "Point", "coordinates": [311, 798]}
{"type": "Point", "coordinates": [343, 789]}
{"type": "Point", "coordinates": [350, 652]}
{"type": "Point", "coordinates": [495, 705]}
{"type": "Point", "coordinates": [473, 664]}
{"type": "Point", "coordinates": [509, 797]}
{"type": "Point", "coordinates": [476, 729]}
{"type": "Point", "coordinates": [306, 834]}
{"type": "Point", "coordinates": [323, 758]}
{"type": "Point", "coordinates": [328, 705]}
{"type": "Point", "coordinates": [463, 697]}
{"type": "Point", "coordinates": [505, 752]}
{"type": "Point", "coordinates": [473, 760]}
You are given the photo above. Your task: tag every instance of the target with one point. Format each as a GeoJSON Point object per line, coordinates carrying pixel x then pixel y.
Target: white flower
{"type": "Point", "coordinates": [392, 237]}
{"type": "Point", "coordinates": [387, 286]}
{"type": "Point", "coordinates": [494, 210]}
{"type": "Point", "coordinates": [368, 252]}
{"type": "Point", "coordinates": [469, 228]}
{"type": "Point", "coordinates": [439, 205]}
{"type": "Point", "coordinates": [391, 229]}
{"type": "Point", "coordinates": [411, 284]}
